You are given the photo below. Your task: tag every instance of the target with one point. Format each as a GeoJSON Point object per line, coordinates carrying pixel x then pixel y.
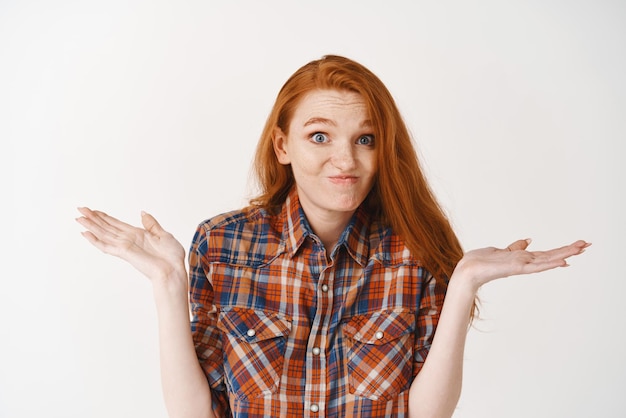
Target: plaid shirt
{"type": "Point", "coordinates": [282, 331]}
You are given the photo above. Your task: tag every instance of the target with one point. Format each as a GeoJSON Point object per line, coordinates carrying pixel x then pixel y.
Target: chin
{"type": "Point", "coordinates": [347, 206]}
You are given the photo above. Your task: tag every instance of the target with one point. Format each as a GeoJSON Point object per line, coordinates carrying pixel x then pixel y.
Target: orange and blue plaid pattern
{"type": "Point", "coordinates": [282, 330]}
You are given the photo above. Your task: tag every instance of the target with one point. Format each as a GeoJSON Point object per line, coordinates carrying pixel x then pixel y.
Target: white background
{"type": "Point", "coordinates": [517, 109]}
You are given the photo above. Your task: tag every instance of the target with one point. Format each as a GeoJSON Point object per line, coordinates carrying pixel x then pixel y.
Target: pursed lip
{"type": "Point", "coordinates": [343, 179]}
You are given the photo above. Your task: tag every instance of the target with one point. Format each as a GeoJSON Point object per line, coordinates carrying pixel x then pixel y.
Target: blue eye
{"type": "Point", "coordinates": [319, 137]}
{"type": "Point", "coordinates": [365, 140]}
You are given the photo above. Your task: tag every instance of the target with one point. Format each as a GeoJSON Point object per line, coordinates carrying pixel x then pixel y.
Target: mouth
{"type": "Point", "coordinates": [343, 180]}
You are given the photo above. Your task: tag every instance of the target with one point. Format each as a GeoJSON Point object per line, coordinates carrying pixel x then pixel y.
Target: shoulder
{"type": "Point", "coordinates": [249, 236]}
{"type": "Point", "coordinates": [234, 218]}
{"type": "Point", "coordinates": [389, 248]}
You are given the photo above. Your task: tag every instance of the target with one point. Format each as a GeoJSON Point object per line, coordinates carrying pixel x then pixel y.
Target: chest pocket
{"type": "Point", "coordinates": [254, 349]}
{"type": "Point", "coordinates": [380, 347]}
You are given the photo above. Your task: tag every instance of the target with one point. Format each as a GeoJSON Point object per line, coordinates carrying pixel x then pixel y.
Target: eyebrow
{"type": "Point", "coordinates": [366, 123]}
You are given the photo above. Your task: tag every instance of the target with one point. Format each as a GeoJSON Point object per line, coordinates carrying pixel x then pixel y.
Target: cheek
{"type": "Point", "coordinates": [370, 164]}
{"type": "Point", "coordinates": [307, 163]}
{"type": "Point", "coordinates": [301, 168]}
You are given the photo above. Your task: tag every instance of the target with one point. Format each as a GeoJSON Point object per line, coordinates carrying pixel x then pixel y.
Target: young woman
{"type": "Point", "coordinates": [321, 298]}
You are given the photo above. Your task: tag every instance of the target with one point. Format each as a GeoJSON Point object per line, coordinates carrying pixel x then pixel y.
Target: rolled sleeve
{"type": "Point", "coordinates": [431, 303]}
{"type": "Point", "coordinates": [206, 336]}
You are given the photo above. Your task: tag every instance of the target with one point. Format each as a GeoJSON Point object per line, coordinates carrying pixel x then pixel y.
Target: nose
{"type": "Point", "coordinates": [343, 156]}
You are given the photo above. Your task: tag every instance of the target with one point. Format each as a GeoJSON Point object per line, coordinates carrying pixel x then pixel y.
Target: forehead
{"type": "Point", "coordinates": [330, 104]}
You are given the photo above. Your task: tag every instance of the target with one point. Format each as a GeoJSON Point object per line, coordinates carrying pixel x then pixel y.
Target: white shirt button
{"type": "Point", "coordinates": [324, 288]}
{"type": "Point", "coordinates": [316, 351]}
{"type": "Point", "coordinates": [379, 335]}
{"type": "Point", "coordinates": [314, 408]}
{"type": "Point", "coordinates": [251, 332]}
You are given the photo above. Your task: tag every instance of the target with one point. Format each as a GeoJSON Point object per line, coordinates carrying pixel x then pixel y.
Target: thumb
{"type": "Point", "coordinates": [150, 223]}
{"type": "Point", "coordinates": [521, 244]}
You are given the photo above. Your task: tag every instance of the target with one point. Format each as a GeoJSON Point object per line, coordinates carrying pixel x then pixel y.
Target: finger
{"type": "Point", "coordinates": [151, 224]}
{"type": "Point", "coordinates": [90, 237]}
{"type": "Point", "coordinates": [107, 229]}
{"type": "Point", "coordinates": [102, 232]}
{"type": "Point", "coordinates": [114, 222]}
{"type": "Point", "coordinates": [538, 265]}
{"type": "Point", "coordinates": [564, 252]}
{"type": "Point", "coordinates": [546, 260]}
{"type": "Point", "coordinates": [521, 244]}
{"type": "Point", "coordinates": [99, 244]}
{"type": "Point", "coordinates": [581, 244]}
{"type": "Point", "coordinates": [104, 221]}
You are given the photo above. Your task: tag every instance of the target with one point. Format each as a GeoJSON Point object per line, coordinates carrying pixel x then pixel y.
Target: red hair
{"type": "Point", "coordinates": [401, 197]}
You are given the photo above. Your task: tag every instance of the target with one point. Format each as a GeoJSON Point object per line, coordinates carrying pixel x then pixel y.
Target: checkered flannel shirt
{"type": "Point", "coordinates": [282, 330]}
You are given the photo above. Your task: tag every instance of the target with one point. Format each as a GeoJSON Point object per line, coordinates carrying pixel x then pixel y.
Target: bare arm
{"type": "Point", "coordinates": [437, 388]}
{"type": "Point", "coordinates": [158, 255]}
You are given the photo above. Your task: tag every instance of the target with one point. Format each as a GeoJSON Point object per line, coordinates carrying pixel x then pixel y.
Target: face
{"type": "Point", "coordinates": [331, 149]}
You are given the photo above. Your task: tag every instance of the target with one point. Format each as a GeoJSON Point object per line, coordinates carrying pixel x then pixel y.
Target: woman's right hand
{"type": "Point", "coordinates": [157, 254]}
{"type": "Point", "coordinates": [151, 250]}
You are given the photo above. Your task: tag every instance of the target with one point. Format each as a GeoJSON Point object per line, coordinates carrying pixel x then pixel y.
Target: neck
{"type": "Point", "coordinates": [328, 227]}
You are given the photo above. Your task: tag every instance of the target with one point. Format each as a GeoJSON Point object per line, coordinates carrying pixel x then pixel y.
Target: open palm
{"type": "Point", "coordinates": [486, 264]}
{"type": "Point", "coordinates": [151, 250]}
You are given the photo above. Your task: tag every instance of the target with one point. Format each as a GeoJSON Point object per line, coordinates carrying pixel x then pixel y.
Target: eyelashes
{"type": "Point", "coordinates": [365, 140]}
{"type": "Point", "coordinates": [322, 138]}
{"type": "Point", "coordinates": [319, 138]}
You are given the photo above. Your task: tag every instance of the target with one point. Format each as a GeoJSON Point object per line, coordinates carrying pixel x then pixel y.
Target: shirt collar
{"type": "Point", "coordinates": [295, 228]}
{"type": "Point", "coordinates": [355, 238]}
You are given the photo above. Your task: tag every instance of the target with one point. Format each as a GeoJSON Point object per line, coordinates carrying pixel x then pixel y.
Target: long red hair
{"type": "Point", "coordinates": [401, 197]}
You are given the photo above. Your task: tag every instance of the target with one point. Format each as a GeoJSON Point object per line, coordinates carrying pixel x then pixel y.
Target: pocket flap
{"type": "Point", "coordinates": [254, 325]}
{"type": "Point", "coordinates": [380, 327]}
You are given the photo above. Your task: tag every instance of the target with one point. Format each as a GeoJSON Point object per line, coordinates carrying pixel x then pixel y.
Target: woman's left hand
{"type": "Point", "coordinates": [487, 264]}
